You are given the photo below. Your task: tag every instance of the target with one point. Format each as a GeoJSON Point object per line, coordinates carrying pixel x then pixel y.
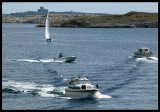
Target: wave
{"type": "Point", "coordinates": [44, 90]}
{"type": "Point", "coordinates": [10, 90]}
{"type": "Point", "coordinates": [99, 95]}
{"type": "Point", "coordinates": [148, 59]}
{"type": "Point", "coordinates": [123, 73]}
{"type": "Point", "coordinates": [34, 60]}
{"type": "Point", "coordinates": [128, 71]}
{"type": "Point", "coordinates": [28, 60]}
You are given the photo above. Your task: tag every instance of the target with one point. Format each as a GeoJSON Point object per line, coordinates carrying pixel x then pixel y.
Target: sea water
{"type": "Point", "coordinates": [32, 80]}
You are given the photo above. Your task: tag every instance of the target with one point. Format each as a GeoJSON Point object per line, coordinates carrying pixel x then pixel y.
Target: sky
{"type": "Point", "coordinates": [87, 7]}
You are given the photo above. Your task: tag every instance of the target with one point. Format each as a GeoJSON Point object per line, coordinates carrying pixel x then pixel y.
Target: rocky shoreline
{"type": "Point", "coordinates": [40, 19]}
{"type": "Point", "coordinates": [136, 25]}
{"type": "Point", "coordinates": [128, 20]}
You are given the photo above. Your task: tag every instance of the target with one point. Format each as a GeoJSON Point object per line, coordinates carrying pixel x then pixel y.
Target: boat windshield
{"type": "Point", "coordinates": [146, 50]}
{"type": "Point", "coordinates": [85, 82]}
{"type": "Point", "coordinates": [81, 82]}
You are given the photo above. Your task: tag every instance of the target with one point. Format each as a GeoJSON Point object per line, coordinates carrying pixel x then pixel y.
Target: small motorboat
{"type": "Point", "coordinates": [143, 52]}
{"type": "Point", "coordinates": [65, 59]}
{"type": "Point", "coordinates": [79, 87]}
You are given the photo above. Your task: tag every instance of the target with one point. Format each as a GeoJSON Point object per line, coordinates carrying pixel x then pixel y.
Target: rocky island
{"type": "Point", "coordinates": [129, 20]}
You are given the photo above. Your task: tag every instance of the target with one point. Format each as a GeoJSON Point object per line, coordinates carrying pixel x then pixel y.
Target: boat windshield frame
{"type": "Point", "coordinates": [80, 82]}
{"type": "Point", "coordinates": [144, 49]}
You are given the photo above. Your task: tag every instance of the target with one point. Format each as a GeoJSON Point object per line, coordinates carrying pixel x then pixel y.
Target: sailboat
{"type": "Point", "coordinates": [47, 36]}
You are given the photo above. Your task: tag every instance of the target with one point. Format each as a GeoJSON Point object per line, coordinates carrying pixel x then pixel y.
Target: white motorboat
{"type": "Point", "coordinates": [79, 87]}
{"type": "Point", "coordinates": [143, 52]}
{"type": "Point", "coordinates": [65, 59]}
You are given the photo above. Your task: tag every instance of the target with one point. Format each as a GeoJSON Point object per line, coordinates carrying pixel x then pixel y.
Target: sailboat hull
{"type": "Point", "coordinates": [49, 40]}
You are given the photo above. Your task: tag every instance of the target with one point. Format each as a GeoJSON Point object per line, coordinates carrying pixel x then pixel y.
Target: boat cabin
{"type": "Point", "coordinates": [79, 87]}
{"type": "Point", "coordinates": [143, 49]}
{"type": "Point", "coordinates": [143, 52]}
{"type": "Point", "coordinates": [80, 83]}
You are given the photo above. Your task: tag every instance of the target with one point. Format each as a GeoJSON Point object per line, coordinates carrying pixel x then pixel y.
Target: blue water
{"type": "Point", "coordinates": [32, 80]}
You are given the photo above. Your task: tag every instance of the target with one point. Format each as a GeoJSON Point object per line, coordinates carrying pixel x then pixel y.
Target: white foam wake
{"type": "Point", "coordinates": [44, 90]}
{"type": "Point", "coordinates": [99, 95]}
{"type": "Point", "coordinates": [41, 60]}
{"type": "Point", "coordinates": [148, 59]}
{"type": "Point", "coordinates": [32, 60]}
{"type": "Point", "coordinates": [28, 60]}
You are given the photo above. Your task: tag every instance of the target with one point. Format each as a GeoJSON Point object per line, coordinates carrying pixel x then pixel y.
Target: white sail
{"type": "Point", "coordinates": [47, 27]}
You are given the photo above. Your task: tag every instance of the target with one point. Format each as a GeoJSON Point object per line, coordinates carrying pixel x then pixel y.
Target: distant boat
{"type": "Point", "coordinates": [47, 35]}
{"type": "Point", "coordinates": [65, 59]}
{"type": "Point", "coordinates": [143, 52]}
{"type": "Point", "coordinates": [61, 58]}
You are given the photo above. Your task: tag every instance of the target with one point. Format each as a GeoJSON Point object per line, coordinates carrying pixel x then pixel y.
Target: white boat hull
{"type": "Point", "coordinates": [141, 56]}
{"type": "Point", "coordinates": [81, 93]}
{"type": "Point", "coordinates": [65, 59]}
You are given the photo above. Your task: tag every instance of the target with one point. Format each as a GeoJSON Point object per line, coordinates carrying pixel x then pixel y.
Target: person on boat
{"type": "Point", "coordinates": [60, 55]}
{"type": "Point", "coordinates": [97, 86]}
